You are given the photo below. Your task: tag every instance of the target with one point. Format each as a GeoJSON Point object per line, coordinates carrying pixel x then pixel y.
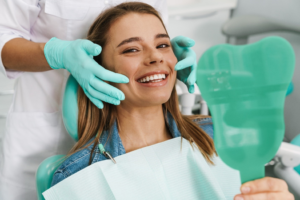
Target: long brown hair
{"type": "Point", "coordinates": [93, 121]}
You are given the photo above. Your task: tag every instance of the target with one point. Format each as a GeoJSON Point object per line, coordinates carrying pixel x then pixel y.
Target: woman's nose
{"type": "Point", "coordinates": [154, 57]}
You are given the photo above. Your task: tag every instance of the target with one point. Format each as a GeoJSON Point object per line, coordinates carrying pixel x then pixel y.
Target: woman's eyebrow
{"type": "Point", "coordinates": [136, 39]}
{"type": "Point", "coordinates": [132, 39]}
{"type": "Point", "coordinates": [162, 35]}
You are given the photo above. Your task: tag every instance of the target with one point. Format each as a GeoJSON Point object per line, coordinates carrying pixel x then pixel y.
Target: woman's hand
{"type": "Point", "coordinates": [265, 189]}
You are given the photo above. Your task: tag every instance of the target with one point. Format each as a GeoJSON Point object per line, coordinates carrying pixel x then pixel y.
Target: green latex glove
{"type": "Point", "coordinates": [187, 61]}
{"type": "Point", "coordinates": [77, 57]}
{"type": "Point", "coordinates": [245, 88]}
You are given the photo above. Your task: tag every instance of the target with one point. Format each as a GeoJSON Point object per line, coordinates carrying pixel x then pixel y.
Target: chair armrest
{"type": "Point", "coordinates": [45, 173]}
{"type": "Point", "coordinates": [289, 154]}
{"type": "Point", "coordinates": [246, 25]}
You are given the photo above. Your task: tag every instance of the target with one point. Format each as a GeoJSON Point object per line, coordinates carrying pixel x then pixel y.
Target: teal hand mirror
{"type": "Point", "coordinates": [245, 88]}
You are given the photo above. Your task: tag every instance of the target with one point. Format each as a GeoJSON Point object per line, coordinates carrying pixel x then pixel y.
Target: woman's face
{"type": "Point", "coordinates": [138, 47]}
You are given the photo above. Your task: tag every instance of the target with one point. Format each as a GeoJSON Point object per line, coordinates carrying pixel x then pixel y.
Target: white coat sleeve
{"type": "Point", "coordinates": [16, 19]}
{"type": "Point", "coordinates": [162, 7]}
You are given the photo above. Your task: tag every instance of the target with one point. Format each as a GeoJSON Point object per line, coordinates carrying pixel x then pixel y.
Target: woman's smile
{"type": "Point", "coordinates": [154, 79]}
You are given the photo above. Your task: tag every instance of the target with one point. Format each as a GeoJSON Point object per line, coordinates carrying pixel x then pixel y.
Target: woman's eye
{"type": "Point", "coordinates": [130, 51]}
{"type": "Point", "coordinates": [163, 46]}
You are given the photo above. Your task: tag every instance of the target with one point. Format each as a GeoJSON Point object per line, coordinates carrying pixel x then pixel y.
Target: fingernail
{"type": "Point", "coordinates": [98, 50]}
{"type": "Point", "coordinates": [238, 198]}
{"type": "Point", "coordinates": [245, 190]}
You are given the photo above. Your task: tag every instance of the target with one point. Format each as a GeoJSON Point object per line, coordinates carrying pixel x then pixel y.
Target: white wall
{"type": "Point", "coordinates": [205, 31]}
{"type": "Point", "coordinates": [286, 12]}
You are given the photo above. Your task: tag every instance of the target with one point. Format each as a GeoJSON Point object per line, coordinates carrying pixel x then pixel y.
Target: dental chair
{"type": "Point", "coordinates": [191, 103]}
{"type": "Point", "coordinates": [239, 28]}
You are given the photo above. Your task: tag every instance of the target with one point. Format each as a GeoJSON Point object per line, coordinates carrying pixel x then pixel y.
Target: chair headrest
{"type": "Point", "coordinates": [70, 108]}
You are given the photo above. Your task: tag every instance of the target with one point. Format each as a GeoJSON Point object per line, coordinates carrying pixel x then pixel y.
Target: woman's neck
{"type": "Point", "coordinates": [141, 127]}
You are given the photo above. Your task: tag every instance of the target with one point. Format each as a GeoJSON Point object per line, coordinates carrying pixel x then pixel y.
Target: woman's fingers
{"type": "Point", "coordinates": [266, 196]}
{"type": "Point", "coordinates": [267, 184]}
{"type": "Point", "coordinates": [265, 189]}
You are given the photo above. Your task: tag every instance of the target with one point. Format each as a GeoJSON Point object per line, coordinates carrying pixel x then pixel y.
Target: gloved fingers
{"type": "Point", "coordinates": [182, 41]}
{"type": "Point", "coordinates": [184, 63]}
{"type": "Point", "coordinates": [95, 101]}
{"type": "Point", "coordinates": [91, 48]}
{"type": "Point", "coordinates": [107, 89]}
{"type": "Point", "coordinates": [103, 97]}
{"type": "Point", "coordinates": [191, 88]}
{"type": "Point", "coordinates": [191, 80]}
{"type": "Point", "coordinates": [107, 75]}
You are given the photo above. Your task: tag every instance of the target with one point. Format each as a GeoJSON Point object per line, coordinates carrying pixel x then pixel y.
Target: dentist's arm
{"type": "Point", "coordinates": [20, 54]}
{"type": "Point", "coordinates": [265, 189]}
{"type": "Point", "coordinates": [74, 56]}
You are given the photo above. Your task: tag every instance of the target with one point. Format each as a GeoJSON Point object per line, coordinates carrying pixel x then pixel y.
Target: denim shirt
{"type": "Point", "coordinates": [114, 146]}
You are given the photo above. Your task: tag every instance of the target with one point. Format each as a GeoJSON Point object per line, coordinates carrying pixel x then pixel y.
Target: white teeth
{"type": "Point", "coordinates": [153, 78]}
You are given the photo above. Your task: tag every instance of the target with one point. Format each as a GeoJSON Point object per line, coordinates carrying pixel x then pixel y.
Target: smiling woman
{"type": "Point", "coordinates": [136, 44]}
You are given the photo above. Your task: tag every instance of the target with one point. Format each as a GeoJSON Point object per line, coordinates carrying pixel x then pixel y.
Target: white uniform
{"type": "Point", "coordinates": [34, 128]}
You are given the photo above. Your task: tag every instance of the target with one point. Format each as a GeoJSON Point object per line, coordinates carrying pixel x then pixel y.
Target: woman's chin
{"type": "Point", "coordinates": [146, 101]}
{"type": "Point", "coordinates": [156, 99]}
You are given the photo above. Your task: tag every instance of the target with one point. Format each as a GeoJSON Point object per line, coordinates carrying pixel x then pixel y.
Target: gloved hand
{"type": "Point", "coordinates": [187, 61]}
{"type": "Point", "coordinates": [77, 57]}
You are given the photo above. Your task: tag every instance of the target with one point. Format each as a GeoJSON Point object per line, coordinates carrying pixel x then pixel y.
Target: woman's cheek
{"type": "Point", "coordinates": [128, 67]}
{"type": "Point", "coordinates": [171, 62]}
{"type": "Point", "coordinates": [171, 59]}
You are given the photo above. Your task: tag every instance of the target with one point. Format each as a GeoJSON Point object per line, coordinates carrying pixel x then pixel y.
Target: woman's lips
{"type": "Point", "coordinates": [152, 74]}
{"type": "Point", "coordinates": [156, 83]}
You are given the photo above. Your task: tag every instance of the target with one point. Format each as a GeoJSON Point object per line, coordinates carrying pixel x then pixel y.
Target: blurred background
{"type": "Point", "coordinates": [206, 21]}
